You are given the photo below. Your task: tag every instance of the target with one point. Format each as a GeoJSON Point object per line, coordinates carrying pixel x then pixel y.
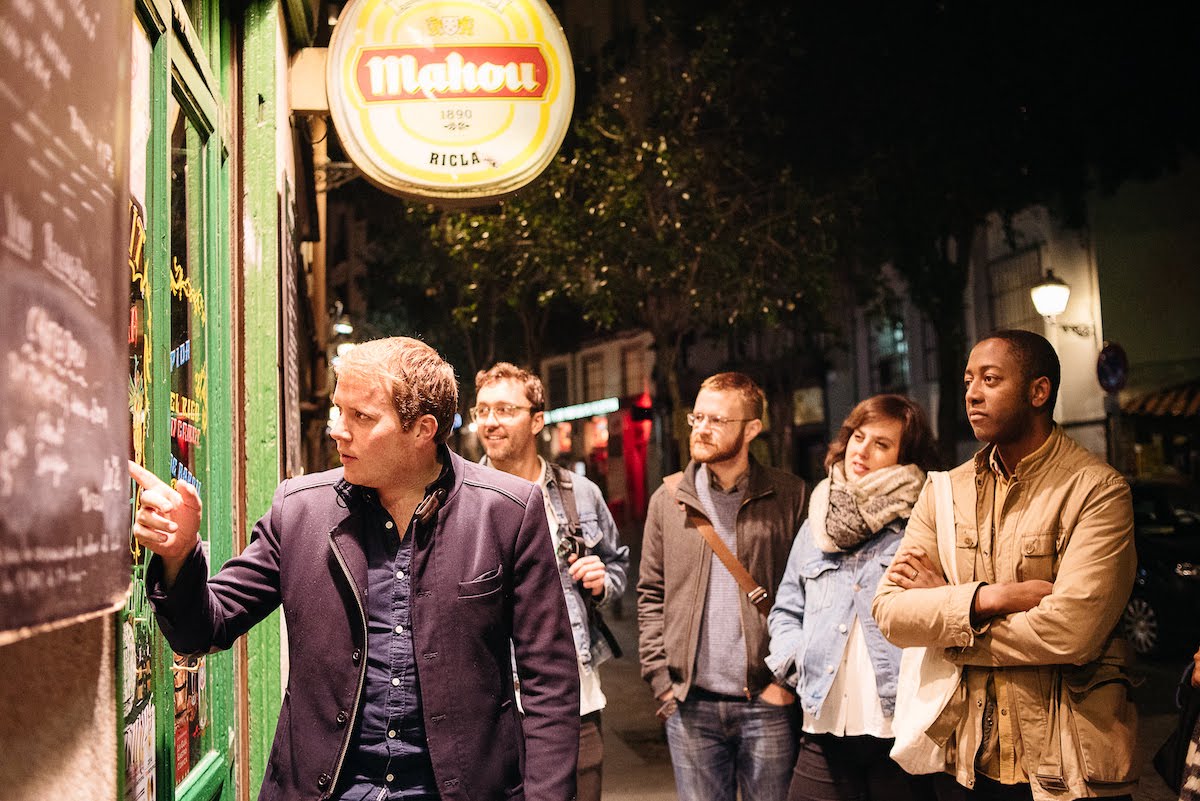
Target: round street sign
{"type": "Point", "coordinates": [450, 100]}
{"type": "Point", "coordinates": [1112, 367]}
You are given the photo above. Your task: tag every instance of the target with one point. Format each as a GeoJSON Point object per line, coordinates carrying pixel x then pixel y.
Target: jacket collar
{"type": "Point", "coordinates": [758, 483]}
{"type": "Point", "coordinates": [1031, 464]}
{"type": "Point", "coordinates": [356, 498]}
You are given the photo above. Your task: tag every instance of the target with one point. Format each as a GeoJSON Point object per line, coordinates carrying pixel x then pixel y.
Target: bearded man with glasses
{"type": "Point", "coordinates": [703, 635]}
{"type": "Point", "coordinates": [508, 415]}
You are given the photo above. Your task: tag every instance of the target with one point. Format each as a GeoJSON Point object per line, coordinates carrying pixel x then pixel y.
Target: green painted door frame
{"type": "Point", "coordinates": [263, 456]}
{"type": "Point", "coordinates": [217, 62]}
{"type": "Point", "coordinates": [188, 277]}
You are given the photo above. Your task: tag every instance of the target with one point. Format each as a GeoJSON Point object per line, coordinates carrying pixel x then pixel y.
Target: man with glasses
{"type": "Point", "coordinates": [703, 640]}
{"type": "Point", "coordinates": [508, 415]}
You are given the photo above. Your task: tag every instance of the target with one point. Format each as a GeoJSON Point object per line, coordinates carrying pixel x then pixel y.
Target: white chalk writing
{"type": "Point", "coordinates": [18, 229]}
{"type": "Point", "coordinates": [67, 266]}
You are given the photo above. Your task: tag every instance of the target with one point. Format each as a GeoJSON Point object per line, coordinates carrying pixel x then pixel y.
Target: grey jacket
{"type": "Point", "coordinates": [673, 579]}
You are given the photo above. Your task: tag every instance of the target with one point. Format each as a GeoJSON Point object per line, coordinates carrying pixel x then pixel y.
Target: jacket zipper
{"type": "Point", "coordinates": [362, 670]}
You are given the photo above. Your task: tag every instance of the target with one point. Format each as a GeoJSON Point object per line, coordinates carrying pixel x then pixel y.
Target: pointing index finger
{"type": "Point", "coordinates": [144, 478]}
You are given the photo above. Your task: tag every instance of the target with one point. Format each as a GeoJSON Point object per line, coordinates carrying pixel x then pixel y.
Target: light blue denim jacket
{"type": "Point", "coordinates": [600, 535]}
{"type": "Point", "coordinates": [814, 609]}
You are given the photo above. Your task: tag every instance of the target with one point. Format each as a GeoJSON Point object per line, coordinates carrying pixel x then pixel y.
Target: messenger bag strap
{"type": "Point", "coordinates": [755, 592]}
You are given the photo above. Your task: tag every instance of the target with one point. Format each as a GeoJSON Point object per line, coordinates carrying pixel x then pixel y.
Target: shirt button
{"type": "Point", "coordinates": [357, 655]}
{"type": "Point", "coordinates": [979, 702]}
{"type": "Point", "coordinates": [842, 628]}
{"type": "Point", "coordinates": [1003, 711]}
{"type": "Point", "coordinates": [856, 588]}
{"type": "Point", "coordinates": [391, 777]}
{"type": "Point", "coordinates": [400, 574]}
{"type": "Point", "coordinates": [392, 733]}
{"type": "Point", "coordinates": [395, 682]}
{"type": "Point", "coordinates": [389, 525]}
{"type": "Point", "coordinates": [399, 629]}
{"type": "Point", "coordinates": [829, 668]}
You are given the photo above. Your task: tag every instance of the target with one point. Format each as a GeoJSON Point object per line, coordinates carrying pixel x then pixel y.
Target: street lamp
{"type": "Point", "coordinates": [1050, 299]}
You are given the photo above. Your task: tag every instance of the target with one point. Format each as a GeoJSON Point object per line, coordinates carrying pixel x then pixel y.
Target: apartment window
{"type": "Point", "coordinates": [1009, 282]}
{"type": "Point", "coordinates": [633, 368]}
{"type": "Point", "coordinates": [889, 344]}
{"type": "Point", "coordinates": [593, 377]}
{"type": "Point", "coordinates": [559, 392]}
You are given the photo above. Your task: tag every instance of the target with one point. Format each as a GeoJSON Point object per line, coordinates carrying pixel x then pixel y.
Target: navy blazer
{"type": "Point", "coordinates": [483, 575]}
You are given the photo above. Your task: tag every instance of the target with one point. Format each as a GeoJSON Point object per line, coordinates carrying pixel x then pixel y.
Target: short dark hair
{"type": "Point", "coordinates": [535, 393]}
{"type": "Point", "coordinates": [742, 384]}
{"type": "Point", "coordinates": [1036, 356]}
{"type": "Point", "coordinates": [917, 444]}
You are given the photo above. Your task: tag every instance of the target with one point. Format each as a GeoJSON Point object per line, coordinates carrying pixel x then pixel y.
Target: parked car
{"type": "Point", "coordinates": [1163, 613]}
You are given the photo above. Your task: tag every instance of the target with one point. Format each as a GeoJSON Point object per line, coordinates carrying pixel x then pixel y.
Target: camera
{"type": "Point", "coordinates": [570, 545]}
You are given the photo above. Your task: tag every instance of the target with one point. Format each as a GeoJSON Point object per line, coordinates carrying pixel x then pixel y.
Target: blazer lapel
{"type": "Point", "coordinates": [346, 540]}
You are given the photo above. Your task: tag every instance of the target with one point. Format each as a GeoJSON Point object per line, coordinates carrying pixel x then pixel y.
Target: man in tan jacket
{"type": "Point", "coordinates": [1044, 535]}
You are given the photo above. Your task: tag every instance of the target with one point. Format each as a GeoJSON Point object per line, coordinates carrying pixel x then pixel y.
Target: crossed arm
{"type": "Point", "coordinates": [1015, 623]}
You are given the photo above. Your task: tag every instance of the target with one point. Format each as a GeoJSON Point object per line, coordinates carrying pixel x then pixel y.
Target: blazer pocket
{"type": "Point", "coordinates": [487, 584]}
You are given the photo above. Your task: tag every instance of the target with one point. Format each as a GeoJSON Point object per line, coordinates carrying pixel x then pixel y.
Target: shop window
{"type": "Point", "coordinates": [177, 712]}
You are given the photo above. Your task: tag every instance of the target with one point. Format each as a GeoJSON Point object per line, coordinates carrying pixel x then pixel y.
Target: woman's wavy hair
{"type": "Point", "coordinates": [917, 443]}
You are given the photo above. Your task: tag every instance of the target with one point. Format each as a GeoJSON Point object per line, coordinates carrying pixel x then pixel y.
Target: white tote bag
{"type": "Point", "coordinates": [927, 679]}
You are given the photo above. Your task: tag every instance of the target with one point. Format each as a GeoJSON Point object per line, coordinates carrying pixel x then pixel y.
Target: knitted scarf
{"type": "Point", "coordinates": [1190, 789]}
{"type": "Point", "coordinates": [844, 514]}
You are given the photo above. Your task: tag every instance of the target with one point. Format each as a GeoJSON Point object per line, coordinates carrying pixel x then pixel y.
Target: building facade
{"type": "Point", "coordinates": [226, 381]}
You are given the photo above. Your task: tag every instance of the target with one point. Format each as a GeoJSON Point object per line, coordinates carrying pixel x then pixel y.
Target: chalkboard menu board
{"type": "Point", "coordinates": [64, 309]}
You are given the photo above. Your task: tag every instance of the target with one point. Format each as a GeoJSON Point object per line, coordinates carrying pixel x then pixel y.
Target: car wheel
{"type": "Point", "coordinates": [1143, 627]}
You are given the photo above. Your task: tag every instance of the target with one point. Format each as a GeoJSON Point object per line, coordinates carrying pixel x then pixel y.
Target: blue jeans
{"type": "Point", "coordinates": [719, 747]}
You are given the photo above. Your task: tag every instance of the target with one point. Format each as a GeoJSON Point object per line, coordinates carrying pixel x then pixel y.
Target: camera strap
{"type": "Point", "coordinates": [566, 491]}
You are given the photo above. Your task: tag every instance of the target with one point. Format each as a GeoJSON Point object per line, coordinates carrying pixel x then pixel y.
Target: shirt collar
{"type": "Point", "coordinates": [1028, 464]}
{"type": "Point", "coordinates": [714, 483]}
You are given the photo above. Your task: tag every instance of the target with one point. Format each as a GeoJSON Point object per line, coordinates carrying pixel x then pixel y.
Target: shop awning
{"type": "Point", "coordinates": [1180, 401]}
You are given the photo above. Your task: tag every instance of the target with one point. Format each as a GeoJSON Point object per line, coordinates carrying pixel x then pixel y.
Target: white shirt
{"type": "Point", "coordinates": [852, 707]}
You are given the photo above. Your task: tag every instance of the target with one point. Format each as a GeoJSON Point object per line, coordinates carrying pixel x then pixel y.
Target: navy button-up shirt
{"type": "Point", "coordinates": [389, 755]}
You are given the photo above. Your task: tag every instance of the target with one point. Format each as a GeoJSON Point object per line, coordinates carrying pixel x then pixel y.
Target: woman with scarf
{"type": "Point", "coordinates": [823, 638]}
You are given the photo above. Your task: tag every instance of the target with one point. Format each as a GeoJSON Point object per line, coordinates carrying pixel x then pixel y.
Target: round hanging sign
{"type": "Point", "coordinates": [450, 100]}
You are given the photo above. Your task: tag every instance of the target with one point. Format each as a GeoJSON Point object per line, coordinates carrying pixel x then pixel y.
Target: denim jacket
{"type": "Point", "coordinates": [600, 535]}
{"type": "Point", "coordinates": [815, 608]}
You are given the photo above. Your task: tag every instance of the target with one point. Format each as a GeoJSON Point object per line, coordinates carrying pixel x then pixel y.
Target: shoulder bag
{"type": "Point", "coordinates": [927, 680]}
{"type": "Point", "coordinates": [758, 596]}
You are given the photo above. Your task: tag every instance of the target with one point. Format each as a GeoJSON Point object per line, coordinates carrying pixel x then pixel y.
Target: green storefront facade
{"type": "Point", "coordinates": [226, 266]}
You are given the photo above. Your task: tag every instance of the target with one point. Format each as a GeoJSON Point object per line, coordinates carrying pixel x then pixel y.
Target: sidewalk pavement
{"type": "Point", "coordinates": [637, 765]}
